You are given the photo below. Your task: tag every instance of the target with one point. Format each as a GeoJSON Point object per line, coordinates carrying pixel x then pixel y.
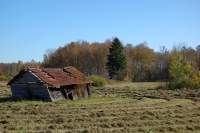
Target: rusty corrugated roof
{"type": "Point", "coordinates": [58, 76]}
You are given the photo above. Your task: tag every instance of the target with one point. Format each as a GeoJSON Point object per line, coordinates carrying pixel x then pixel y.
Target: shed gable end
{"type": "Point", "coordinates": [27, 77]}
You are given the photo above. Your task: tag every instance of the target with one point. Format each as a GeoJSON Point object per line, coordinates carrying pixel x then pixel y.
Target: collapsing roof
{"type": "Point", "coordinates": [56, 77]}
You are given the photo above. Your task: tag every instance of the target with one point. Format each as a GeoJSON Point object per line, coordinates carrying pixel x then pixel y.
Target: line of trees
{"type": "Point", "coordinates": [142, 62]}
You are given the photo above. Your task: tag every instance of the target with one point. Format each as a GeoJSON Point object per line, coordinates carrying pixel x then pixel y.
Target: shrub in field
{"type": "Point", "coordinates": [180, 68]}
{"type": "Point", "coordinates": [183, 73]}
{"type": "Point", "coordinates": [179, 84]}
{"type": "Point", "coordinates": [190, 83]}
{"type": "Point", "coordinates": [196, 80]}
{"type": "Point", "coordinates": [98, 80]}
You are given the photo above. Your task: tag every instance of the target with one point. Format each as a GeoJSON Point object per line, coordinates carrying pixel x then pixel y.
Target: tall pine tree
{"type": "Point", "coordinates": [117, 62]}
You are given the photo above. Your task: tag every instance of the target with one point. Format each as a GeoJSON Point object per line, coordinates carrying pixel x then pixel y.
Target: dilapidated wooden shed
{"type": "Point", "coordinates": [50, 84]}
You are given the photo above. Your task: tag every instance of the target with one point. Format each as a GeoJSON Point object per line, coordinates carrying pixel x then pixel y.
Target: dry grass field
{"type": "Point", "coordinates": [121, 107]}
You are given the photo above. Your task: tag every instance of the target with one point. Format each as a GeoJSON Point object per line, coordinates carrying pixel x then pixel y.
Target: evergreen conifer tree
{"type": "Point", "coordinates": [116, 59]}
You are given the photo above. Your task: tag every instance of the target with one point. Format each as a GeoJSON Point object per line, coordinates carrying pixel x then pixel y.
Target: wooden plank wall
{"type": "Point", "coordinates": [32, 91]}
{"type": "Point", "coordinates": [29, 87]}
{"type": "Point", "coordinates": [78, 92]}
{"type": "Point", "coordinates": [56, 94]}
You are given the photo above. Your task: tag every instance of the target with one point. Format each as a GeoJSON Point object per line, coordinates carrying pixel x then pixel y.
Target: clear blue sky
{"type": "Point", "coordinates": [30, 27]}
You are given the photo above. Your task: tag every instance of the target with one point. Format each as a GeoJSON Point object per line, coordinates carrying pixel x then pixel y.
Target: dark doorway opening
{"type": "Point", "coordinates": [67, 93]}
{"type": "Point", "coordinates": [64, 93]}
{"type": "Point", "coordinates": [70, 96]}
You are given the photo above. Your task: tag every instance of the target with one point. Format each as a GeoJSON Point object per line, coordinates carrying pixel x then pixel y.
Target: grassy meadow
{"type": "Point", "coordinates": [118, 107]}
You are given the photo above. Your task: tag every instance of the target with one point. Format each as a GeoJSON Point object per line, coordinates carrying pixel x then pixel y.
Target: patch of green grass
{"type": "Point", "coordinates": [93, 100]}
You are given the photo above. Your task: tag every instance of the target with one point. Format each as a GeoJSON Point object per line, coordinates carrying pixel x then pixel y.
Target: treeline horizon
{"type": "Point", "coordinates": [143, 62]}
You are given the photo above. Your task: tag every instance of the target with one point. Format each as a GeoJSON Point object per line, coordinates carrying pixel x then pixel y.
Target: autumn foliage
{"type": "Point", "coordinates": [181, 64]}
